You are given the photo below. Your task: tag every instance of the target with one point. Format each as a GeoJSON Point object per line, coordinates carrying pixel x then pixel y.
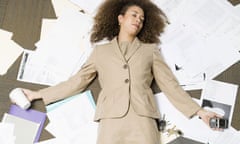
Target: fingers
{"type": "Point", "coordinates": [28, 93]}
{"type": "Point", "coordinates": [220, 116]}
{"type": "Point", "coordinates": [32, 95]}
{"type": "Point", "coordinates": [207, 115]}
{"type": "Point", "coordinates": [218, 129]}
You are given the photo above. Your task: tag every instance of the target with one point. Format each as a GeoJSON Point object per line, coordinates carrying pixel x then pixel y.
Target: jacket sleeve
{"type": "Point", "coordinates": [73, 85]}
{"type": "Point", "coordinates": [170, 86]}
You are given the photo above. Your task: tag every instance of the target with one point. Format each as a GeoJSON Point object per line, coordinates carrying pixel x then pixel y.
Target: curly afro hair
{"type": "Point", "coordinates": [106, 20]}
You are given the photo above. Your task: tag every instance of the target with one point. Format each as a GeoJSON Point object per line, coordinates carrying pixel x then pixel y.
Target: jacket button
{"type": "Point", "coordinates": [125, 66]}
{"type": "Point", "coordinates": [126, 80]}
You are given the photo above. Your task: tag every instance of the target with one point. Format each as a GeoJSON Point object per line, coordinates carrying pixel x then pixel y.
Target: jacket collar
{"type": "Point", "coordinates": [133, 48]}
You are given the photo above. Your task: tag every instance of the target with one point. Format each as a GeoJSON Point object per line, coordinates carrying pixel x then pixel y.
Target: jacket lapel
{"type": "Point", "coordinates": [133, 48]}
{"type": "Point", "coordinates": [117, 49]}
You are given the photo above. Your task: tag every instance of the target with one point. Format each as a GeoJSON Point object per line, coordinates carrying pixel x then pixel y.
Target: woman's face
{"type": "Point", "coordinates": [132, 21]}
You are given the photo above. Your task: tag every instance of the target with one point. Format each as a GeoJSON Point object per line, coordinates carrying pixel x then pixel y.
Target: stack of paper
{"type": "Point", "coordinates": [31, 115]}
{"type": "Point", "coordinates": [202, 39]}
{"type": "Point", "coordinates": [24, 125]}
{"type": "Point", "coordinates": [61, 52]}
{"type": "Point", "coordinates": [71, 120]}
{"type": "Point", "coordinates": [24, 130]}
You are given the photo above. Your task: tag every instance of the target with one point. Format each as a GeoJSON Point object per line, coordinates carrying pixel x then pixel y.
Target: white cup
{"type": "Point", "coordinates": [17, 96]}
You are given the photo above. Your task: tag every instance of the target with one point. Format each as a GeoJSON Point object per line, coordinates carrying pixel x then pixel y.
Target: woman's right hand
{"type": "Point", "coordinates": [31, 95]}
{"type": "Point", "coordinates": [206, 115]}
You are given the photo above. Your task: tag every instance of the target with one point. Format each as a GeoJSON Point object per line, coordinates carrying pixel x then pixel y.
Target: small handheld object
{"type": "Point", "coordinates": [218, 123]}
{"type": "Point", "coordinates": [17, 96]}
{"type": "Point", "coordinates": [162, 124]}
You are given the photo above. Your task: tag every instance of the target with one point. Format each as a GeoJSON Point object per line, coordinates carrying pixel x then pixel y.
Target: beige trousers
{"type": "Point", "coordinates": [130, 129]}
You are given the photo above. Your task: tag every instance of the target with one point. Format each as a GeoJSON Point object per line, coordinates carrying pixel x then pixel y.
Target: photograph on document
{"type": "Point", "coordinates": [219, 108]}
{"type": "Point", "coordinates": [219, 97]}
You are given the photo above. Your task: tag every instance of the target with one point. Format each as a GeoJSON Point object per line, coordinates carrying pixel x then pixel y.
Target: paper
{"type": "Point", "coordinates": [26, 65]}
{"type": "Point", "coordinates": [47, 25]}
{"type": "Point", "coordinates": [219, 97]}
{"type": "Point", "coordinates": [24, 130]}
{"type": "Point", "coordinates": [193, 128]}
{"type": "Point", "coordinates": [198, 30]}
{"type": "Point", "coordinates": [72, 119]}
{"type": "Point", "coordinates": [237, 9]}
{"type": "Point", "coordinates": [168, 6]}
{"type": "Point", "coordinates": [9, 51]}
{"type": "Point", "coordinates": [86, 94]}
{"type": "Point", "coordinates": [31, 115]}
{"type": "Point", "coordinates": [7, 133]}
{"type": "Point", "coordinates": [62, 5]}
{"type": "Point", "coordinates": [175, 117]}
{"type": "Point", "coordinates": [231, 136]}
{"type": "Point", "coordinates": [89, 7]}
{"type": "Point", "coordinates": [62, 52]}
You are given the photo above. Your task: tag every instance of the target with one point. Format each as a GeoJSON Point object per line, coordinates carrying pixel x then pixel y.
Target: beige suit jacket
{"type": "Point", "coordinates": [125, 80]}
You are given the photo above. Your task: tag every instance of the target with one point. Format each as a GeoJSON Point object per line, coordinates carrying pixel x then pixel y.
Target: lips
{"type": "Point", "coordinates": [136, 25]}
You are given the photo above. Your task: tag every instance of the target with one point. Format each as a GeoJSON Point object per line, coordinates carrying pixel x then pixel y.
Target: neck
{"type": "Point", "coordinates": [125, 37]}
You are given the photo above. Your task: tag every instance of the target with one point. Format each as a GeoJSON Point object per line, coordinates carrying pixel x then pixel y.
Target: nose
{"type": "Point", "coordinates": [138, 20]}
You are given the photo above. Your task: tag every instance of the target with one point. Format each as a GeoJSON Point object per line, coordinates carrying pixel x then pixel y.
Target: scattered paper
{"type": "Point", "coordinates": [9, 51]}
{"type": "Point", "coordinates": [202, 39]}
{"type": "Point", "coordinates": [219, 97]}
{"type": "Point", "coordinates": [89, 7]}
{"type": "Point", "coordinates": [7, 133]}
{"type": "Point", "coordinates": [61, 53]}
{"type": "Point", "coordinates": [194, 128]}
{"type": "Point", "coordinates": [24, 130]}
{"type": "Point", "coordinates": [72, 119]}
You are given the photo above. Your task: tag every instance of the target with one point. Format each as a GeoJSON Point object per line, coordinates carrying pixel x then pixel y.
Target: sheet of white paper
{"type": "Point", "coordinates": [237, 9]}
{"type": "Point", "coordinates": [197, 86]}
{"type": "Point", "coordinates": [89, 7]}
{"type": "Point", "coordinates": [219, 97]}
{"type": "Point", "coordinates": [62, 5]}
{"type": "Point", "coordinates": [25, 130]}
{"type": "Point", "coordinates": [168, 6]}
{"type": "Point", "coordinates": [7, 133]}
{"type": "Point", "coordinates": [226, 56]}
{"type": "Point", "coordinates": [186, 48]}
{"type": "Point", "coordinates": [73, 120]}
{"type": "Point", "coordinates": [85, 134]}
{"type": "Point", "coordinates": [204, 15]}
{"type": "Point", "coordinates": [9, 51]}
{"type": "Point", "coordinates": [194, 53]}
{"type": "Point", "coordinates": [29, 71]}
{"type": "Point", "coordinates": [47, 25]}
{"type": "Point", "coordinates": [231, 136]}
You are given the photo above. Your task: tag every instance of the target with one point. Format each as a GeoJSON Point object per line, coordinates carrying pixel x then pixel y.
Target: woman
{"type": "Point", "coordinates": [126, 108]}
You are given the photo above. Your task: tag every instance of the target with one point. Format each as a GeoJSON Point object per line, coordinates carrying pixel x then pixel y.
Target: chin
{"type": "Point", "coordinates": [135, 33]}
